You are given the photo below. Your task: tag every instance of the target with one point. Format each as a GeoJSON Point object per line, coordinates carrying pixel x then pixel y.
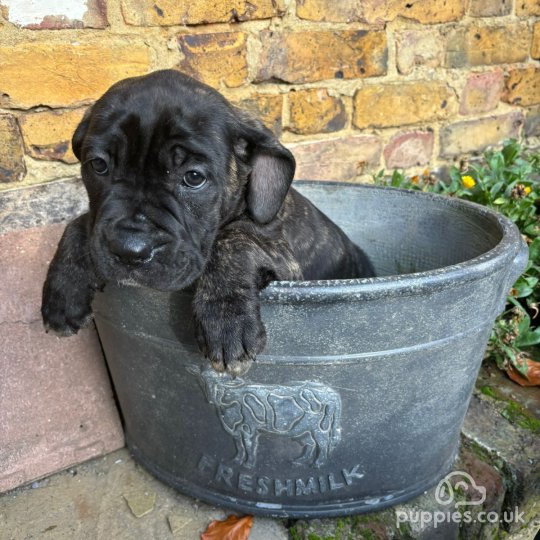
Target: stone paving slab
{"type": "Point", "coordinates": [56, 403]}
{"type": "Point", "coordinates": [41, 205]}
{"type": "Point", "coordinates": [96, 500]}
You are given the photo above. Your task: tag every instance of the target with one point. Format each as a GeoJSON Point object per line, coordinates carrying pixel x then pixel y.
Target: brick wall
{"type": "Point", "coordinates": [351, 85]}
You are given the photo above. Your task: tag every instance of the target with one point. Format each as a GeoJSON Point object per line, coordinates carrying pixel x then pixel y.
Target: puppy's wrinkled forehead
{"type": "Point", "coordinates": [143, 116]}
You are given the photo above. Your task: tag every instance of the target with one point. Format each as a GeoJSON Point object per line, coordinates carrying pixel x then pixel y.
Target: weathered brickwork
{"type": "Point", "coordinates": [12, 166]}
{"type": "Point", "coordinates": [66, 74]}
{"type": "Point", "coordinates": [476, 135]}
{"type": "Point", "coordinates": [48, 15]}
{"type": "Point", "coordinates": [422, 11]}
{"type": "Point", "coordinates": [315, 111]}
{"type": "Point", "coordinates": [410, 149]}
{"type": "Point", "coordinates": [523, 86]}
{"type": "Point", "coordinates": [532, 123]}
{"type": "Point", "coordinates": [267, 107]}
{"type": "Point", "coordinates": [376, 11]}
{"type": "Point", "coordinates": [351, 86]}
{"type": "Point", "coordinates": [525, 8]}
{"type": "Point", "coordinates": [490, 8]}
{"type": "Point", "coordinates": [47, 135]}
{"type": "Point", "coordinates": [402, 104]}
{"type": "Point", "coordinates": [416, 48]}
{"type": "Point", "coordinates": [482, 92]}
{"type": "Point", "coordinates": [308, 56]}
{"type": "Point", "coordinates": [346, 157]}
{"type": "Point", "coordinates": [177, 12]}
{"type": "Point", "coordinates": [535, 47]}
{"type": "Point", "coordinates": [215, 59]}
{"type": "Point", "coordinates": [479, 46]}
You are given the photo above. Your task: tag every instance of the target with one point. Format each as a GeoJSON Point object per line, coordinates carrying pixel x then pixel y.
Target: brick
{"type": "Point", "coordinates": [474, 136]}
{"type": "Point", "coordinates": [57, 404]}
{"type": "Point", "coordinates": [532, 123]}
{"type": "Point", "coordinates": [488, 477]}
{"type": "Point", "coordinates": [54, 15]}
{"type": "Point", "coordinates": [267, 107]}
{"type": "Point", "coordinates": [402, 104]}
{"type": "Point", "coordinates": [535, 47]}
{"type": "Point", "coordinates": [409, 150]}
{"type": "Point", "coordinates": [12, 167]}
{"type": "Point", "coordinates": [186, 12]}
{"type": "Point", "coordinates": [330, 11]}
{"type": "Point", "coordinates": [47, 135]}
{"type": "Point", "coordinates": [525, 8]}
{"type": "Point", "coordinates": [305, 56]}
{"type": "Point", "coordinates": [423, 11]}
{"type": "Point", "coordinates": [482, 92]}
{"type": "Point", "coordinates": [523, 87]}
{"type": "Point", "coordinates": [490, 8]}
{"type": "Point", "coordinates": [337, 159]}
{"type": "Point", "coordinates": [215, 59]}
{"type": "Point", "coordinates": [60, 74]}
{"type": "Point", "coordinates": [380, 11]}
{"type": "Point", "coordinates": [513, 450]}
{"type": "Point", "coordinates": [315, 111]}
{"type": "Point", "coordinates": [418, 48]}
{"type": "Point", "coordinates": [485, 45]}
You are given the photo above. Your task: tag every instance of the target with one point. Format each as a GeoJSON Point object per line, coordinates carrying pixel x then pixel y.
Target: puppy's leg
{"type": "Point", "coordinates": [71, 282]}
{"type": "Point", "coordinates": [226, 304]}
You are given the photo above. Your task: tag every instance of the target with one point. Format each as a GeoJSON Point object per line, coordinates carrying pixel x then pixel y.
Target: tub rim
{"type": "Point", "coordinates": [511, 250]}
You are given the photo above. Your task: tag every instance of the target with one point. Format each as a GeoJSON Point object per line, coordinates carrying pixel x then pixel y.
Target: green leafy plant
{"type": "Point", "coordinates": [507, 180]}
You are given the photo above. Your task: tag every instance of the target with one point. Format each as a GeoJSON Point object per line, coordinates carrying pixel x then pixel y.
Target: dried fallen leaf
{"type": "Point", "coordinates": [233, 528]}
{"type": "Point", "coordinates": [533, 374]}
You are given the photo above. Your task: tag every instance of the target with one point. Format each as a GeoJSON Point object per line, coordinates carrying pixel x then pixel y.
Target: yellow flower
{"type": "Point", "coordinates": [468, 182]}
{"type": "Point", "coordinates": [527, 190]}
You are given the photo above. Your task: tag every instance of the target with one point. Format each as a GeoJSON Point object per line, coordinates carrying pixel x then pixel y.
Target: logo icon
{"type": "Point", "coordinates": [462, 481]}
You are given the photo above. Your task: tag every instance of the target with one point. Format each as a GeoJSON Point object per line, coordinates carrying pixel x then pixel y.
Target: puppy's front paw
{"type": "Point", "coordinates": [230, 334]}
{"type": "Point", "coordinates": [65, 310]}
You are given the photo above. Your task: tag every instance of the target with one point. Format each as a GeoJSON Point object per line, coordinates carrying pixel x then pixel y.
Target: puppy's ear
{"type": "Point", "coordinates": [272, 168]}
{"type": "Point", "coordinates": [80, 132]}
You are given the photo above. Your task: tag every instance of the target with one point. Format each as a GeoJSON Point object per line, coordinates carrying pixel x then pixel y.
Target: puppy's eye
{"type": "Point", "coordinates": [99, 165]}
{"type": "Point", "coordinates": [194, 179]}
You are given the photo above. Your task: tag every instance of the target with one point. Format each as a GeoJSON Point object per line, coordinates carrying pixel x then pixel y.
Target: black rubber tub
{"type": "Point", "coordinates": [358, 399]}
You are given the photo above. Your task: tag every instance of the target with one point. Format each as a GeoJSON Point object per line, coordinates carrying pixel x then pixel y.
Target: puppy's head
{"type": "Point", "coordinates": [166, 162]}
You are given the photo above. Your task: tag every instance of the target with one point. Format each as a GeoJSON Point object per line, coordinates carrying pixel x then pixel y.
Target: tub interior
{"type": "Point", "coordinates": [403, 232]}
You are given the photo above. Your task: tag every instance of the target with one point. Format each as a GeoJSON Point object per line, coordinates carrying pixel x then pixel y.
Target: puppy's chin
{"type": "Point", "coordinates": [151, 275]}
{"type": "Point", "coordinates": [174, 285]}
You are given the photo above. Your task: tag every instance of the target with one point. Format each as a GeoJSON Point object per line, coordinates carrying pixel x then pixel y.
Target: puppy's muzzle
{"type": "Point", "coordinates": [130, 245]}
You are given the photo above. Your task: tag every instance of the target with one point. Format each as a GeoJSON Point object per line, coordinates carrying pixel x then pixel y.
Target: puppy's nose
{"type": "Point", "coordinates": [131, 248]}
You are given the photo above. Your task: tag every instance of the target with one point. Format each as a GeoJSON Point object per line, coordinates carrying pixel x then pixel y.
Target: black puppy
{"type": "Point", "coordinates": [183, 186]}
